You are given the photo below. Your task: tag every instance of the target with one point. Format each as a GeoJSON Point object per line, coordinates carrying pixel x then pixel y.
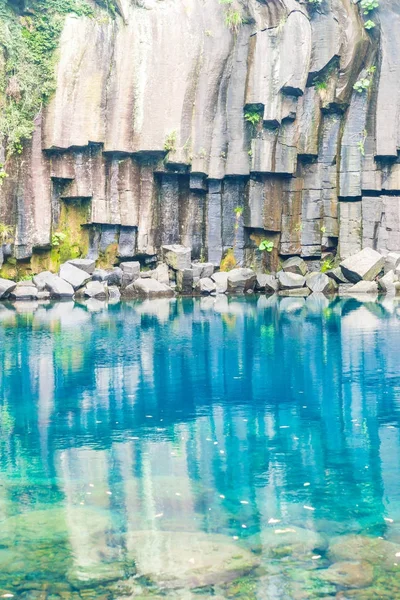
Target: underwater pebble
{"type": "Point", "coordinates": [159, 515]}
{"type": "Point", "coordinates": [316, 557]}
{"type": "Point", "coordinates": [243, 502]}
{"type": "Point", "coordinates": [306, 484]}
{"type": "Point", "coordinates": [244, 526]}
{"type": "Point", "coordinates": [271, 521]}
{"type": "Point", "coordinates": [388, 520]}
{"type": "Point", "coordinates": [109, 493]}
{"type": "Point", "coordinates": [308, 507]}
{"type": "Point", "coordinates": [222, 496]}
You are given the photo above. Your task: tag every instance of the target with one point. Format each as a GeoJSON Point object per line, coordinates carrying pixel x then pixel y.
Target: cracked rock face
{"type": "Point", "coordinates": [168, 129]}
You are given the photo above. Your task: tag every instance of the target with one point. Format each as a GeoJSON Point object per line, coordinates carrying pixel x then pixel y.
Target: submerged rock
{"type": "Point", "coordinates": [373, 550]}
{"type": "Point", "coordinates": [281, 541]}
{"type": "Point", "coordinates": [387, 283]}
{"type": "Point", "coordinates": [366, 265]}
{"type": "Point", "coordinates": [348, 574]}
{"type": "Point", "coordinates": [189, 560]}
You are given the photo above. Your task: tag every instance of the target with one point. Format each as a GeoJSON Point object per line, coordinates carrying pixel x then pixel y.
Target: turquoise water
{"type": "Point", "coordinates": [200, 448]}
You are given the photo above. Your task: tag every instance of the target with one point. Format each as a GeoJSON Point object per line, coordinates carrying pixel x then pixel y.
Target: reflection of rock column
{"type": "Point", "coordinates": [45, 399]}
{"type": "Point", "coordinates": [84, 473]}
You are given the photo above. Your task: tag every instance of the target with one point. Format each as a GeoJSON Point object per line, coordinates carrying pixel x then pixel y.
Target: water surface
{"type": "Point", "coordinates": [200, 448]}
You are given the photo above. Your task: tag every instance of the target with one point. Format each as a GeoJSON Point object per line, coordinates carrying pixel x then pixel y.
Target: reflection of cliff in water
{"type": "Point", "coordinates": [305, 378]}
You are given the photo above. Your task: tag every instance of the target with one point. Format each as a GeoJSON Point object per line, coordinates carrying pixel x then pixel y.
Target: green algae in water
{"type": "Point", "coordinates": [172, 449]}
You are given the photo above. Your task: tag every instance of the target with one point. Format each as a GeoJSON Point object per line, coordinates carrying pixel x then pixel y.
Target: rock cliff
{"type": "Point", "coordinates": [216, 125]}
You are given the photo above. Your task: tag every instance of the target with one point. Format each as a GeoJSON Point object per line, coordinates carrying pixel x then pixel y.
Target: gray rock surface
{"type": "Point", "coordinates": [302, 292]}
{"type": "Point", "coordinates": [6, 286]}
{"type": "Point", "coordinates": [74, 276]}
{"type": "Point", "coordinates": [366, 265]}
{"type": "Point", "coordinates": [148, 288]}
{"type": "Point", "coordinates": [26, 291]}
{"type": "Point", "coordinates": [290, 280]}
{"type": "Point", "coordinates": [295, 265]}
{"type": "Point", "coordinates": [58, 288]}
{"type": "Point", "coordinates": [241, 280]}
{"type": "Point", "coordinates": [96, 289]}
{"type": "Point", "coordinates": [161, 273]}
{"type": "Point", "coordinates": [386, 284]}
{"type": "Point", "coordinates": [266, 283]}
{"type": "Point", "coordinates": [320, 282]}
{"type": "Point", "coordinates": [177, 257]}
{"type": "Point", "coordinates": [206, 286]}
{"type": "Point", "coordinates": [184, 281]}
{"type": "Point", "coordinates": [114, 277]}
{"type": "Point", "coordinates": [166, 158]}
{"type": "Point", "coordinates": [392, 261]}
{"type": "Point", "coordinates": [221, 281]}
{"type": "Point", "coordinates": [363, 287]}
{"type": "Point", "coordinates": [86, 264]}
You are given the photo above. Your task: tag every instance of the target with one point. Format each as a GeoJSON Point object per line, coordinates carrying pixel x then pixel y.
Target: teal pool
{"type": "Point", "coordinates": [200, 448]}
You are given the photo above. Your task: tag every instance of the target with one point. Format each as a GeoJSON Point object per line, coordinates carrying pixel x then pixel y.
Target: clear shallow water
{"type": "Point", "coordinates": [229, 448]}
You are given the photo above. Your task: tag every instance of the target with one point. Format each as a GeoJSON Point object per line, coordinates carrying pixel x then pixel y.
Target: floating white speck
{"type": "Point", "coordinates": [284, 427]}
{"type": "Point", "coordinates": [109, 493]}
{"type": "Point", "coordinates": [287, 530]}
{"type": "Point", "coordinates": [235, 537]}
{"type": "Point", "coordinates": [191, 560]}
{"type": "Point", "coordinates": [244, 526]}
{"type": "Point", "coordinates": [159, 515]}
{"type": "Point", "coordinates": [243, 502]}
{"type": "Point", "coordinates": [91, 485]}
{"type": "Point", "coordinates": [272, 521]}
{"type": "Point", "coordinates": [222, 496]}
{"type": "Point", "coordinates": [295, 438]}
{"type": "Point", "coordinates": [173, 453]}
{"type": "Point", "coordinates": [215, 443]}
{"type": "Point", "coordinates": [316, 557]}
{"type": "Point", "coordinates": [8, 596]}
{"type": "Point", "coordinates": [134, 438]}
{"type": "Point", "coordinates": [177, 494]}
{"type": "Point", "coordinates": [397, 555]}
{"type": "Point", "coordinates": [222, 451]}
{"type": "Point", "coordinates": [306, 484]}
{"type": "Point", "coordinates": [304, 406]}
{"type": "Point", "coordinates": [96, 422]}
{"type": "Point", "coordinates": [149, 416]}
{"type": "Point", "coordinates": [391, 427]}
{"type": "Point", "coordinates": [81, 503]}
{"type": "Point", "coordinates": [245, 420]}
{"type": "Point", "coordinates": [88, 493]}
{"type": "Point", "coordinates": [308, 507]}
{"type": "Point", "coordinates": [388, 520]}
{"type": "Point", "coordinates": [208, 440]}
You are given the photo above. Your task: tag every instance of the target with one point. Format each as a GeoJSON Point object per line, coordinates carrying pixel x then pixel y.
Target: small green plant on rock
{"type": "Point", "coordinates": [369, 24]}
{"type": "Point", "coordinates": [360, 143]}
{"type": "Point", "coordinates": [369, 5]}
{"type": "Point", "coordinates": [3, 174]}
{"type": "Point", "coordinates": [362, 85]}
{"type": "Point", "coordinates": [252, 116]}
{"type": "Point", "coordinates": [170, 142]}
{"type": "Point", "coordinates": [6, 233]}
{"type": "Point", "coordinates": [327, 265]}
{"type": "Point", "coordinates": [233, 19]}
{"type": "Point", "coordinates": [57, 238]}
{"type": "Point", "coordinates": [266, 246]}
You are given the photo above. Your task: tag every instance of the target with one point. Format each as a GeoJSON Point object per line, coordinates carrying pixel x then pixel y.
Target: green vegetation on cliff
{"type": "Point", "coordinates": [28, 42]}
